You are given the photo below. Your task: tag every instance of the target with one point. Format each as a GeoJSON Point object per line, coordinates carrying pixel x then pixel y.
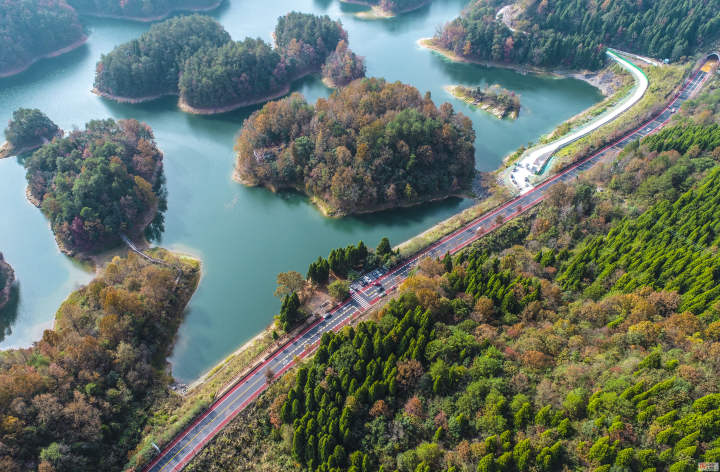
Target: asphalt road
{"type": "Point", "coordinates": [184, 447]}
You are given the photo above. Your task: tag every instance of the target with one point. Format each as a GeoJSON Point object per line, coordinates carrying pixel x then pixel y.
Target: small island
{"type": "Point", "coordinates": [141, 10]}
{"type": "Point", "coordinates": [96, 184]}
{"type": "Point", "coordinates": [496, 100]}
{"type": "Point", "coordinates": [7, 278]}
{"type": "Point", "coordinates": [29, 129]}
{"type": "Point", "coordinates": [34, 30]}
{"type": "Point", "coordinates": [194, 58]}
{"type": "Point", "coordinates": [371, 145]}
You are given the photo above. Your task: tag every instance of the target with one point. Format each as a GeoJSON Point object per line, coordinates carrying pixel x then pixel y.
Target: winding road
{"type": "Point", "coordinates": [534, 160]}
{"type": "Point", "coordinates": [187, 444]}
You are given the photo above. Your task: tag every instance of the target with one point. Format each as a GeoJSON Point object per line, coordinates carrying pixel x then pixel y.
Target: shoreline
{"type": "Point", "coordinates": [59, 52]}
{"type": "Point", "coordinates": [149, 19]}
{"type": "Point", "coordinates": [585, 76]}
{"type": "Point", "coordinates": [378, 13]}
{"type": "Point", "coordinates": [187, 108]}
{"type": "Point", "coordinates": [330, 212]}
{"type": "Point", "coordinates": [184, 106]}
{"type": "Point", "coordinates": [131, 100]}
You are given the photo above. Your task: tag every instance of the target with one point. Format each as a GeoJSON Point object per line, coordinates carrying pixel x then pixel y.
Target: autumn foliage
{"type": "Point", "coordinates": [370, 145]}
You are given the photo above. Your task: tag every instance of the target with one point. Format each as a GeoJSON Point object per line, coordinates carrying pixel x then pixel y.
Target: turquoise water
{"type": "Point", "coordinates": [245, 236]}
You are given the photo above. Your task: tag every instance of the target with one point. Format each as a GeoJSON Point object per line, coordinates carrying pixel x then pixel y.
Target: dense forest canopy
{"type": "Point", "coordinates": [343, 66]}
{"type": "Point", "coordinates": [151, 64]}
{"type": "Point", "coordinates": [196, 59]}
{"type": "Point", "coordinates": [33, 28]}
{"type": "Point", "coordinates": [97, 183]}
{"type": "Point", "coordinates": [29, 128]}
{"type": "Point", "coordinates": [237, 71]}
{"type": "Point", "coordinates": [575, 33]}
{"type": "Point", "coordinates": [320, 33]}
{"type": "Point", "coordinates": [370, 145]}
{"type": "Point", "coordinates": [77, 399]}
{"type": "Point", "coordinates": [139, 8]}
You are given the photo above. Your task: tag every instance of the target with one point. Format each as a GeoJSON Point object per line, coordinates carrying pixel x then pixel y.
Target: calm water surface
{"type": "Point", "coordinates": [245, 236]}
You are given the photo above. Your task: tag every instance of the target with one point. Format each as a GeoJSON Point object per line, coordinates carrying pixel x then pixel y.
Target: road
{"type": "Point", "coordinates": [533, 161]}
{"type": "Point", "coordinates": [184, 447]}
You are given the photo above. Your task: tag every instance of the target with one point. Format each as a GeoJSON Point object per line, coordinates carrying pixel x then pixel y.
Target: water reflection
{"type": "Point", "coordinates": [9, 312]}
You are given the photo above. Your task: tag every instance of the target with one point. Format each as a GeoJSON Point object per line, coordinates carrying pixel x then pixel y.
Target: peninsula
{"type": "Point", "coordinates": [92, 378]}
{"type": "Point", "coordinates": [197, 61]}
{"type": "Point", "coordinates": [98, 183]}
{"type": "Point", "coordinates": [371, 145]}
{"type": "Point", "coordinates": [495, 100]}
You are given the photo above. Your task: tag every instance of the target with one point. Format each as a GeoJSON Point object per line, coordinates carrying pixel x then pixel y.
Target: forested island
{"type": "Point", "coordinates": [370, 146]}
{"type": "Point", "coordinates": [78, 399]}
{"type": "Point", "coordinates": [27, 130]}
{"type": "Point", "coordinates": [584, 335]}
{"type": "Point", "coordinates": [571, 34]}
{"type": "Point", "coordinates": [34, 29]}
{"type": "Point", "coordinates": [7, 278]}
{"type": "Point", "coordinates": [193, 57]}
{"type": "Point", "coordinates": [494, 99]}
{"type": "Point", "coordinates": [141, 10]}
{"type": "Point", "coordinates": [98, 183]}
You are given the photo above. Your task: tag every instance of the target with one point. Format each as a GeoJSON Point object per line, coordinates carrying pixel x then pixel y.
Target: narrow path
{"type": "Point", "coordinates": [190, 441]}
{"type": "Point", "coordinates": [534, 160]}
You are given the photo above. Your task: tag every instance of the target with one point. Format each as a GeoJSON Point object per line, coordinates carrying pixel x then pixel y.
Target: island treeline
{"type": "Point", "coordinates": [575, 34]}
{"type": "Point", "coordinates": [28, 129]}
{"type": "Point", "coordinates": [370, 145]}
{"type": "Point", "coordinates": [97, 183]}
{"type": "Point", "coordinates": [140, 9]}
{"type": "Point", "coordinates": [195, 58]}
{"type": "Point", "coordinates": [584, 335]}
{"type": "Point", "coordinates": [77, 400]}
{"type": "Point", "coordinates": [31, 29]}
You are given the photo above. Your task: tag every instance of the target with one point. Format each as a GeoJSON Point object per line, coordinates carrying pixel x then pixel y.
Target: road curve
{"type": "Point", "coordinates": [534, 160]}
{"type": "Point", "coordinates": [184, 447]}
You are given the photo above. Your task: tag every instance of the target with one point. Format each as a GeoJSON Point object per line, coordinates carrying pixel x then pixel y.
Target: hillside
{"type": "Point", "coordinates": [574, 34]}
{"type": "Point", "coordinates": [583, 336]}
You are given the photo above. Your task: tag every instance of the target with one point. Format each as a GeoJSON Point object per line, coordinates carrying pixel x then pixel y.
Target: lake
{"type": "Point", "coordinates": [245, 236]}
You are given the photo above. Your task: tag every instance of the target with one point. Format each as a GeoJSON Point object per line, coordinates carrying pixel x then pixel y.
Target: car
{"type": "Point", "coordinates": [327, 315]}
